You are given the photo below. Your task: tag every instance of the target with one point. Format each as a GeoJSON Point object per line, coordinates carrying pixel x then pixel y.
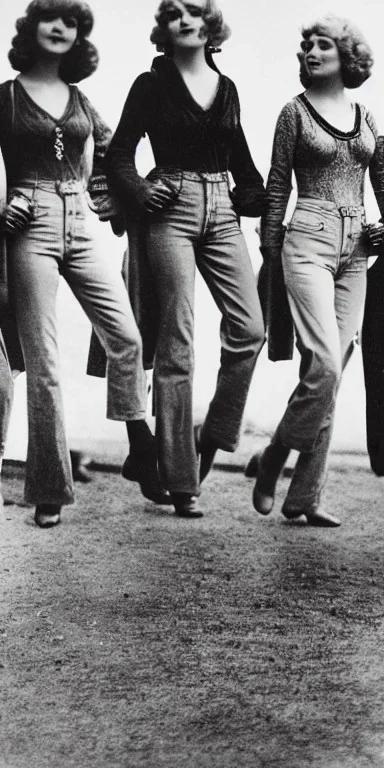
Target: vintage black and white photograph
{"type": "Point", "coordinates": [191, 384]}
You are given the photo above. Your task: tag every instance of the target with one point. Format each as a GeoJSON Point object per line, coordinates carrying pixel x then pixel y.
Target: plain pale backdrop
{"type": "Point", "coordinates": [261, 58]}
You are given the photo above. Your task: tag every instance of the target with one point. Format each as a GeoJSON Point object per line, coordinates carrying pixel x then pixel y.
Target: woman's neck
{"type": "Point", "coordinates": [46, 70]}
{"type": "Point", "coordinates": [329, 89]}
{"type": "Point", "coordinates": [190, 60]}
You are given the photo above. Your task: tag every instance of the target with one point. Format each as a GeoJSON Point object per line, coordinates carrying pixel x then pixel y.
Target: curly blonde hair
{"type": "Point", "coordinates": [355, 54]}
{"type": "Point", "coordinates": [216, 29]}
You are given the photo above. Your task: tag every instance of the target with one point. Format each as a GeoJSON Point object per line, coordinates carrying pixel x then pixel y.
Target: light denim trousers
{"type": "Point", "coordinates": [200, 229]}
{"type": "Point", "coordinates": [6, 396]}
{"type": "Point", "coordinates": [325, 265]}
{"type": "Point", "coordinates": [57, 241]}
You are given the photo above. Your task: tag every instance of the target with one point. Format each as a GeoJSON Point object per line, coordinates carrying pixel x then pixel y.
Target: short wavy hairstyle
{"type": "Point", "coordinates": [355, 54]}
{"type": "Point", "coordinates": [216, 29]}
{"type": "Point", "coordinates": [80, 62]}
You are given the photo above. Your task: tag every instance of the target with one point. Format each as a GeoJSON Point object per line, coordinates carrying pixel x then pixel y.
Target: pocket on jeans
{"type": "Point", "coordinates": [40, 208]}
{"type": "Point", "coordinates": [171, 180]}
{"type": "Point", "coordinates": [306, 221]}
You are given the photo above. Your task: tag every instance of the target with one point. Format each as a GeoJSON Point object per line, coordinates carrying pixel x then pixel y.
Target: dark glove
{"type": "Point", "coordinates": [248, 200]}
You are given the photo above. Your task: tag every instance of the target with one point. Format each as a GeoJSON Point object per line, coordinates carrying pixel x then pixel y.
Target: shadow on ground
{"type": "Point", "coordinates": [130, 638]}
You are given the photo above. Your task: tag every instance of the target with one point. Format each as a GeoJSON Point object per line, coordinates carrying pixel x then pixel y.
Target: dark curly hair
{"type": "Point", "coordinates": [216, 29]}
{"type": "Point", "coordinates": [75, 65]}
{"type": "Point", "coordinates": [355, 54]}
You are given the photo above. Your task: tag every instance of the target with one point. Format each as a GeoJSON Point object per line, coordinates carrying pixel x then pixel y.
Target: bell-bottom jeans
{"type": "Point", "coordinates": [200, 229]}
{"type": "Point", "coordinates": [6, 396]}
{"type": "Point", "coordinates": [325, 265]}
{"type": "Point", "coordinates": [57, 242]}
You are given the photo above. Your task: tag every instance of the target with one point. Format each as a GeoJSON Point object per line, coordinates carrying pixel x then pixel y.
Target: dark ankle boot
{"type": "Point", "coordinates": [186, 505]}
{"type": "Point", "coordinates": [268, 465]}
{"type": "Point", "coordinates": [47, 515]}
{"type": "Point", "coordinates": [206, 449]}
{"type": "Point", "coordinates": [142, 468]}
{"type": "Point", "coordinates": [80, 462]}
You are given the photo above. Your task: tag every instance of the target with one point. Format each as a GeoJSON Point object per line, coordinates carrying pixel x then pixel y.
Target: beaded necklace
{"type": "Point", "coordinates": [59, 143]}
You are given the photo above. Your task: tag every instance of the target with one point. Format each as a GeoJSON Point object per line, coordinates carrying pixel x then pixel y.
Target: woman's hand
{"type": "Point", "coordinates": [106, 207]}
{"type": "Point", "coordinates": [376, 234]}
{"type": "Point", "coordinates": [158, 195]}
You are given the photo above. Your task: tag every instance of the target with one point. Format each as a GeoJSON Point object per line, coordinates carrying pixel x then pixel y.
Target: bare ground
{"type": "Point", "coordinates": [130, 638]}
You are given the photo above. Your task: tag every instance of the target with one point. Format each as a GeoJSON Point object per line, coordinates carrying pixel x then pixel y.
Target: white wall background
{"type": "Point", "coordinates": [261, 58]}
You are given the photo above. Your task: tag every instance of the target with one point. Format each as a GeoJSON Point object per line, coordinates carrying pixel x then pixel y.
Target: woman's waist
{"type": "Point", "coordinates": [326, 184]}
{"type": "Point", "coordinates": [331, 207]}
{"type": "Point", "coordinates": [55, 186]}
{"type": "Point", "coordinates": [190, 174]}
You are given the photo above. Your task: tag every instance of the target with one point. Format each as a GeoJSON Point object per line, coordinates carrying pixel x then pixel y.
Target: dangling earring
{"type": "Point", "coordinates": [212, 48]}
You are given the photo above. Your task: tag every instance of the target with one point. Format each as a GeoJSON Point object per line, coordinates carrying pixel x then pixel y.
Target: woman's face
{"type": "Point", "coordinates": [321, 56]}
{"type": "Point", "coordinates": [186, 27]}
{"type": "Point", "coordinates": [56, 36]}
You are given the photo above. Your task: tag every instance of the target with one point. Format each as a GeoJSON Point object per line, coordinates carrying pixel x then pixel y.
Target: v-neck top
{"type": "Point", "coordinates": [34, 105]}
{"type": "Point", "coordinates": [183, 134]}
{"type": "Point", "coordinates": [328, 164]}
{"type": "Point", "coordinates": [331, 129]}
{"type": "Point", "coordinates": [28, 133]}
{"type": "Point", "coordinates": [188, 95]}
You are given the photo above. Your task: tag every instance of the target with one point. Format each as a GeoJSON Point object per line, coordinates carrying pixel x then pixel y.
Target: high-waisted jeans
{"type": "Point", "coordinates": [325, 261]}
{"type": "Point", "coordinates": [57, 241]}
{"type": "Point", "coordinates": [200, 228]}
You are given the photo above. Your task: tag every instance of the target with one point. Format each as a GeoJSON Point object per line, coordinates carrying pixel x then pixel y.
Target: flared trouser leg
{"type": "Point", "coordinates": [101, 292]}
{"type": "Point", "coordinates": [58, 242]}
{"type": "Point", "coordinates": [201, 229]}
{"type": "Point", "coordinates": [326, 283]}
{"type": "Point", "coordinates": [6, 396]}
{"type": "Point", "coordinates": [48, 476]}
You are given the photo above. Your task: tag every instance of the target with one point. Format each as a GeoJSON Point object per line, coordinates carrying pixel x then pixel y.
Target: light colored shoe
{"type": "Point", "coordinates": [318, 518]}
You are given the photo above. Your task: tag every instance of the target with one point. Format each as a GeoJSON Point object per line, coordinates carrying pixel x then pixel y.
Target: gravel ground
{"type": "Point", "coordinates": [130, 638]}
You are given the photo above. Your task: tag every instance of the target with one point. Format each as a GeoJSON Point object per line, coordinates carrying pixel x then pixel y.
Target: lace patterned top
{"type": "Point", "coordinates": [33, 142]}
{"type": "Point", "coordinates": [328, 163]}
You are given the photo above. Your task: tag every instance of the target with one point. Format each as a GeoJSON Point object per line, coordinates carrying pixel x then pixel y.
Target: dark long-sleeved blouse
{"type": "Point", "coordinates": [328, 163]}
{"type": "Point", "coordinates": [183, 135]}
{"type": "Point", "coordinates": [35, 143]}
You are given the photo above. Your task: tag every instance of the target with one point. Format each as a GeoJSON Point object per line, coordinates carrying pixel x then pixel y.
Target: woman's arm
{"type": "Point", "coordinates": [120, 159]}
{"type": "Point", "coordinates": [249, 195]}
{"type": "Point", "coordinates": [3, 185]}
{"type": "Point", "coordinates": [376, 165]}
{"type": "Point", "coordinates": [102, 201]}
{"type": "Point", "coordinates": [279, 185]}
{"type": "Point", "coordinates": [94, 162]}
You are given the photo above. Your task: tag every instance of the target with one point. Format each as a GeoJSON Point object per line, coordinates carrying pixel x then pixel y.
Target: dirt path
{"type": "Point", "coordinates": [129, 638]}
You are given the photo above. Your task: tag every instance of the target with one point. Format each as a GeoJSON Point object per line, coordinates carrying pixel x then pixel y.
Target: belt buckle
{"type": "Point", "coordinates": [349, 210]}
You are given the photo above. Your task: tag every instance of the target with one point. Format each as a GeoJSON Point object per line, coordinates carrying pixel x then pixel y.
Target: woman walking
{"type": "Point", "coordinates": [328, 142]}
{"type": "Point", "coordinates": [190, 219]}
{"type": "Point", "coordinates": [44, 127]}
